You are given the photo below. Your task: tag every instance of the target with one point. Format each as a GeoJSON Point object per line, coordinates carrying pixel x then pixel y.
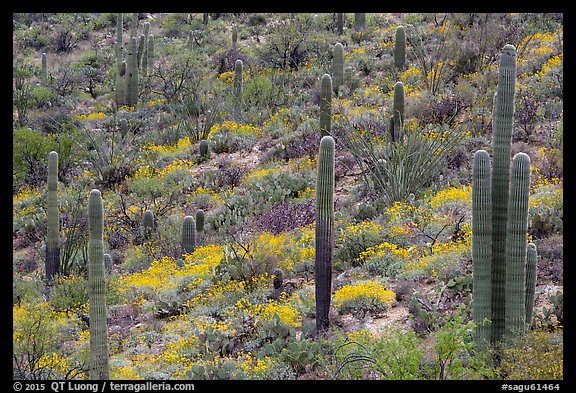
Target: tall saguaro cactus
{"type": "Point", "coordinates": [516, 242]}
{"type": "Point", "coordinates": [481, 246]}
{"type": "Point", "coordinates": [150, 52]}
{"type": "Point", "coordinates": [132, 74]}
{"type": "Point", "coordinates": [44, 69]}
{"type": "Point", "coordinates": [99, 367]}
{"type": "Point", "coordinates": [359, 21]}
{"type": "Point", "coordinates": [325, 105]}
{"type": "Point", "coordinates": [238, 88]}
{"type": "Point", "coordinates": [200, 218]}
{"type": "Point", "coordinates": [340, 23]}
{"type": "Point", "coordinates": [397, 120]}
{"type": "Point", "coordinates": [188, 235]}
{"type": "Point", "coordinates": [337, 66]}
{"type": "Point", "coordinates": [400, 48]}
{"type": "Point", "coordinates": [53, 226]}
{"type": "Point", "coordinates": [120, 63]}
{"type": "Point", "coordinates": [324, 231]}
{"type": "Point", "coordinates": [501, 144]}
{"type": "Point", "coordinates": [531, 272]}
{"type": "Point", "coordinates": [148, 224]}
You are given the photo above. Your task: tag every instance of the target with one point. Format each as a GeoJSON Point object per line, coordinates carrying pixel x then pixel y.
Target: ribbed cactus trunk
{"type": "Point", "coordinates": [337, 67]}
{"type": "Point", "coordinates": [531, 274]}
{"type": "Point", "coordinates": [340, 23]}
{"type": "Point", "coordinates": [53, 221]}
{"type": "Point", "coordinates": [325, 105]}
{"type": "Point", "coordinates": [108, 263]}
{"type": "Point", "coordinates": [150, 53]}
{"type": "Point", "coordinates": [516, 243]}
{"type": "Point", "coordinates": [120, 91]}
{"type": "Point", "coordinates": [140, 50]}
{"type": "Point", "coordinates": [501, 144]}
{"type": "Point", "coordinates": [397, 112]}
{"type": "Point", "coordinates": [44, 69]}
{"type": "Point", "coordinates": [188, 235]}
{"type": "Point", "coordinates": [238, 88]}
{"type": "Point", "coordinates": [200, 218]}
{"type": "Point", "coordinates": [324, 231]}
{"type": "Point", "coordinates": [99, 367]}
{"type": "Point", "coordinates": [400, 48]}
{"type": "Point", "coordinates": [359, 21]}
{"type": "Point", "coordinates": [203, 147]}
{"type": "Point", "coordinates": [147, 224]}
{"type": "Point", "coordinates": [132, 74]}
{"type": "Point", "coordinates": [481, 247]}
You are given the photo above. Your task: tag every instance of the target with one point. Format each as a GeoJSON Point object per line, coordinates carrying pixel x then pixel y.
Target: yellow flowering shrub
{"type": "Point", "coordinates": [364, 297]}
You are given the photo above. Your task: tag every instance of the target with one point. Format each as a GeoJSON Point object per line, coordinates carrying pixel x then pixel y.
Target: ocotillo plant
{"type": "Point", "coordinates": [132, 74]}
{"type": "Point", "coordinates": [481, 247]}
{"type": "Point", "coordinates": [325, 105]}
{"type": "Point", "coordinates": [324, 231]}
{"type": "Point", "coordinates": [99, 367]}
{"type": "Point", "coordinates": [516, 242]}
{"type": "Point", "coordinates": [400, 48]}
{"type": "Point", "coordinates": [52, 227]}
{"type": "Point", "coordinates": [531, 274]}
{"type": "Point", "coordinates": [340, 23]}
{"type": "Point", "coordinates": [337, 66]}
{"type": "Point", "coordinates": [188, 235]}
{"type": "Point", "coordinates": [501, 144]}
{"type": "Point", "coordinates": [238, 89]}
{"type": "Point", "coordinates": [148, 224]}
{"type": "Point", "coordinates": [397, 112]}
{"type": "Point", "coordinates": [200, 217]}
{"type": "Point", "coordinates": [44, 69]}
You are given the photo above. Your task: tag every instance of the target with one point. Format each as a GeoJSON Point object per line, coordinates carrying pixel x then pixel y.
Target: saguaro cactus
{"type": "Point", "coordinates": [501, 144]}
{"type": "Point", "coordinates": [148, 224]}
{"type": "Point", "coordinates": [531, 271]}
{"type": "Point", "coordinates": [516, 241]}
{"type": "Point", "coordinates": [44, 69]}
{"type": "Point", "coordinates": [359, 21]}
{"type": "Point", "coordinates": [99, 368]}
{"type": "Point", "coordinates": [200, 218]}
{"type": "Point", "coordinates": [121, 84]}
{"type": "Point", "coordinates": [150, 52]}
{"type": "Point", "coordinates": [400, 48]}
{"type": "Point", "coordinates": [481, 246]}
{"type": "Point", "coordinates": [340, 23]}
{"type": "Point", "coordinates": [132, 74]}
{"type": "Point", "coordinates": [53, 226]}
{"type": "Point", "coordinates": [188, 235]}
{"type": "Point", "coordinates": [325, 105]}
{"type": "Point", "coordinates": [397, 112]}
{"type": "Point", "coordinates": [234, 36]}
{"type": "Point", "coordinates": [238, 89]}
{"type": "Point", "coordinates": [203, 147]}
{"type": "Point", "coordinates": [324, 231]}
{"type": "Point", "coordinates": [337, 66]}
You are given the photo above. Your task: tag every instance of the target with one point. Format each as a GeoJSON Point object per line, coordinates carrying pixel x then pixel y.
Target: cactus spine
{"type": "Point", "coordinates": [324, 231]}
{"type": "Point", "coordinates": [531, 271]}
{"type": "Point", "coordinates": [516, 242]}
{"type": "Point", "coordinates": [337, 67]}
{"type": "Point", "coordinates": [481, 246]}
{"type": "Point", "coordinates": [148, 224]}
{"type": "Point", "coordinates": [132, 74]}
{"type": "Point", "coordinates": [44, 69]}
{"type": "Point", "coordinates": [188, 235]}
{"type": "Point", "coordinates": [99, 368]}
{"type": "Point", "coordinates": [397, 112]}
{"type": "Point", "coordinates": [200, 217]}
{"type": "Point", "coordinates": [238, 89]}
{"type": "Point", "coordinates": [400, 48]}
{"type": "Point", "coordinates": [52, 227]}
{"type": "Point", "coordinates": [501, 142]}
{"type": "Point", "coordinates": [326, 105]}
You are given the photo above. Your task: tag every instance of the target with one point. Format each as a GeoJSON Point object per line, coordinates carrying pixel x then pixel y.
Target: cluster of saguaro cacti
{"type": "Point", "coordinates": [503, 292]}
{"type": "Point", "coordinates": [337, 66]}
{"type": "Point", "coordinates": [397, 118]}
{"type": "Point", "coordinates": [400, 48]}
{"type": "Point", "coordinates": [99, 367]}
{"type": "Point", "coordinates": [324, 231]}
{"type": "Point", "coordinates": [238, 87]}
{"type": "Point", "coordinates": [52, 227]}
{"type": "Point", "coordinates": [325, 105]}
